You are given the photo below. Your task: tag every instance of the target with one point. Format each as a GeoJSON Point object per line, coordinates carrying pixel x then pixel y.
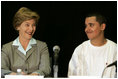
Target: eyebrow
{"type": "Point", "coordinates": [90, 23]}
{"type": "Point", "coordinates": [29, 23]}
{"type": "Point", "coordinates": [26, 22]}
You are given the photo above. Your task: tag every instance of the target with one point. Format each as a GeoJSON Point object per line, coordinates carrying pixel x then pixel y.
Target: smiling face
{"type": "Point", "coordinates": [93, 29]}
{"type": "Point", "coordinates": [27, 29]}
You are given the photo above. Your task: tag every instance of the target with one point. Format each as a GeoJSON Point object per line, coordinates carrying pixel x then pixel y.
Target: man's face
{"type": "Point", "coordinates": [93, 29]}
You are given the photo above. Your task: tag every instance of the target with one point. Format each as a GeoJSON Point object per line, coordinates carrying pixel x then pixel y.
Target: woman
{"type": "Point", "coordinates": [25, 52]}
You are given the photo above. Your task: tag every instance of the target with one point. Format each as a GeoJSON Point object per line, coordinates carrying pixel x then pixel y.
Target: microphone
{"type": "Point", "coordinates": [56, 50]}
{"type": "Point", "coordinates": [112, 64]}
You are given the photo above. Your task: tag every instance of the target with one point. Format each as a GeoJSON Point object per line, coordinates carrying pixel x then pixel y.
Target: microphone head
{"type": "Point", "coordinates": [56, 48]}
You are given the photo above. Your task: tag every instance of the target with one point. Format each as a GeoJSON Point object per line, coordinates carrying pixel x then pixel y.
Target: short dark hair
{"type": "Point", "coordinates": [99, 17]}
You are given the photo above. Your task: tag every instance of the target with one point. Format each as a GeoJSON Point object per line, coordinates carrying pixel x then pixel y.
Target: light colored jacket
{"type": "Point", "coordinates": [36, 60]}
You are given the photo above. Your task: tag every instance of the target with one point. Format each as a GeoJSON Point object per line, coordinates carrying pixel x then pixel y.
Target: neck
{"type": "Point", "coordinates": [99, 42]}
{"type": "Point", "coordinates": [24, 42]}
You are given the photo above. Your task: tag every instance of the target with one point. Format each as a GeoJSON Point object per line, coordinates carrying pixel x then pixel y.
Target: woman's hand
{"type": "Point", "coordinates": [34, 74]}
{"type": "Point", "coordinates": [13, 73]}
{"type": "Point", "coordinates": [23, 73]}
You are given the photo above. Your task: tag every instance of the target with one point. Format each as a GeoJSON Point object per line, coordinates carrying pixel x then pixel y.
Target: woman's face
{"type": "Point", "coordinates": [27, 29]}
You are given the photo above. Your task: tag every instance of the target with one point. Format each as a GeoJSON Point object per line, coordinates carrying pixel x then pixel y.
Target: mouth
{"type": "Point", "coordinates": [29, 33]}
{"type": "Point", "coordinates": [88, 32]}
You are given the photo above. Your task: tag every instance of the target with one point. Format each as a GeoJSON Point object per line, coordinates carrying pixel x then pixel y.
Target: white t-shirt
{"type": "Point", "coordinates": [89, 60]}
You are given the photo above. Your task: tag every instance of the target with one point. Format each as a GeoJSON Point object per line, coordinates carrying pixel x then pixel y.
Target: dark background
{"type": "Point", "coordinates": [61, 23]}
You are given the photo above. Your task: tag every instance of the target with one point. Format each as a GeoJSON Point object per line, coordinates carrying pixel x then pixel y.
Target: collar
{"type": "Point", "coordinates": [20, 48]}
{"type": "Point", "coordinates": [16, 42]}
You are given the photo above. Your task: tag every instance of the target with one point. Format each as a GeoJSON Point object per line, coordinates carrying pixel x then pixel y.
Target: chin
{"type": "Point", "coordinates": [29, 38]}
{"type": "Point", "coordinates": [90, 38]}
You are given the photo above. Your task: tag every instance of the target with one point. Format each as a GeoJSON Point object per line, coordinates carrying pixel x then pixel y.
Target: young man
{"type": "Point", "coordinates": [92, 56]}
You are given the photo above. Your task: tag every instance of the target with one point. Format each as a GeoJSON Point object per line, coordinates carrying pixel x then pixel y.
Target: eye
{"type": "Point", "coordinates": [27, 25]}
{"type": "Point", "coordinates": [34, 25]}
{"type": "Point", "coordinates": [91, 24]}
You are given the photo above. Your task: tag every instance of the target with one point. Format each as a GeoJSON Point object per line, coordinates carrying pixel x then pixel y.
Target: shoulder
{"type": "Point", "coordinates": [111, 43]}
{"type": "Point", "coordinates": [41, 43]}
{"type": "Point", "coordinates": [83, 45]}
{"type": "Point", "coordinates": [7, 45]}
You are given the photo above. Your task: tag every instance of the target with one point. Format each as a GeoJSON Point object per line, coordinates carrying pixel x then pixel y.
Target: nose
{"type": "Point", "coordinates": [31, 28]}
{"type": "Point", "coordinates": [86, 28]}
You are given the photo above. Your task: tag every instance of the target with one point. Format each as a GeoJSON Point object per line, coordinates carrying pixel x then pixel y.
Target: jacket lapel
{"type": "Point", "coordinates": [19, 53]}
{"type": "Point", "coordinates": [32, 50]}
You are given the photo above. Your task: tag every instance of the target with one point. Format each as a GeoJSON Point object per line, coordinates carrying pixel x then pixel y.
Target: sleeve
{"type": "Point", "coordinates": [5, 63]}
{"type": "Point", "coordinates": [75, 64]}
{"type": "Point", "coordinates": [72, 66]}
{"type": "Point", "coordinates": [114, 68]}
{"type": "Point", "coordinates": [44, 67]}
{"type": "Point", "coordinates": [112, 57]}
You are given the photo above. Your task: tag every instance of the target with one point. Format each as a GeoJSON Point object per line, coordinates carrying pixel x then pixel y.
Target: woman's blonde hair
{"type": "Point", "coordinates": [24, 14]}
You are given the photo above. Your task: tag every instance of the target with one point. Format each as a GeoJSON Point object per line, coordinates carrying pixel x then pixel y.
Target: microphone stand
{"type": "Point", "coordinates": [116, 72]}
{"type": "Point", "coordinates": [55, 66]}
{"type": "Point", "coordinates": [103, 72]}
{"type": "Point", "coordinates": [105, 69]}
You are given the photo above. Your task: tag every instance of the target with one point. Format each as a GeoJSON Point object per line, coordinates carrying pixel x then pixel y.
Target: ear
{"type": "Point", "coordinates": [103, 26]}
